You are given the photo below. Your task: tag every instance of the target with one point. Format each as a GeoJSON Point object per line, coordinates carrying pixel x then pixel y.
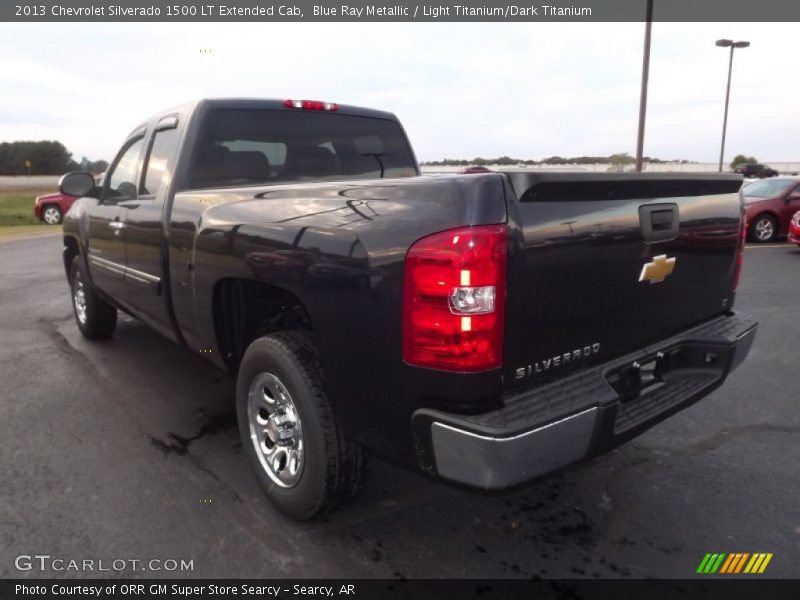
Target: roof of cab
{"type": "Point", "coordinates": [277, 104]}
{"type": "Point", "coordinates": [253, 103]}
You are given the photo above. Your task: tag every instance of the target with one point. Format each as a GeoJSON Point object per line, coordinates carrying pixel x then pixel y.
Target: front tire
{"type": "Point", "coordinates": [51, 214]}
{"type": "Point", "coordinates": [95, 317]}
{"type": "Point", "coordinates": [763, 229]}
{"type": "Point", "coordinates": [301, 458]}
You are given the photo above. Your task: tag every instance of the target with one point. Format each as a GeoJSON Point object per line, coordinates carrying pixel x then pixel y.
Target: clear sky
{"type": "Point", "coordinates": [462, 90]}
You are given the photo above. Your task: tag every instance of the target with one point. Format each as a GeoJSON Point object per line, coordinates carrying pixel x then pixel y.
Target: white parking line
{"type": "Point", "coordinates": [787, 245]}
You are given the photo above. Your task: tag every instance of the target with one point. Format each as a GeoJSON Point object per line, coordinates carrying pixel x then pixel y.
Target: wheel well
{"type": "Point", "coordinates": [70, 251]}
{"type": "Point", "coordinates": [244, 310]}
{"type": "Point", "coordinates": [767, 213]}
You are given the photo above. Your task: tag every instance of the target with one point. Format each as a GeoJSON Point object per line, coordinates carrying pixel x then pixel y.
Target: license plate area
{"type": "Point", "coordinates": [652, 372]}
{"type": "Point", "coordinates": [639, 377]}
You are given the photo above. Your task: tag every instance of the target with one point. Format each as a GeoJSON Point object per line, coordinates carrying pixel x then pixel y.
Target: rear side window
{"type": "Point", "coordinates": [161, 153]}
{"type": "Point", "coordinates": [256, 146]}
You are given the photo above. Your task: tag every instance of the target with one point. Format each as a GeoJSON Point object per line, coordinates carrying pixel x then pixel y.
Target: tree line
{"type": "Point", "coordinates": [621, 158]}
{"type": "Point", "coordinates": [52, 158]}
{"type": "Point", "coordinates": [46, 157]}
{"type": "Point", "coordinates": [741, 159]}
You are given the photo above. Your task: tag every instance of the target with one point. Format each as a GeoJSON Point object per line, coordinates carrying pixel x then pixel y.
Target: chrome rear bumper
{"type": "Point", "coordinates": [508, 446]}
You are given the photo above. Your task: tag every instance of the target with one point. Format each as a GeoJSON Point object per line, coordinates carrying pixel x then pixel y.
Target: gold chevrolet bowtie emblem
{"type": "Point", "coordinates": [657, 270]}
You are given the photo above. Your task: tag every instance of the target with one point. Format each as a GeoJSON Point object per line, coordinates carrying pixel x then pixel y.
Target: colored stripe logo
{"type": "Point", "coordinates": [734, 563]}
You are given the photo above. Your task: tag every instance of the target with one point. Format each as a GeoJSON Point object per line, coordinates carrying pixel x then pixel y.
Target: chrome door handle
{"type": "Point", "coordinates": [117, 226]}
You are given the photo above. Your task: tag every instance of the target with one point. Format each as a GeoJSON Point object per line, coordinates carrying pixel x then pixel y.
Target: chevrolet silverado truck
{"type": "Point", "coordinates": [485, 328]}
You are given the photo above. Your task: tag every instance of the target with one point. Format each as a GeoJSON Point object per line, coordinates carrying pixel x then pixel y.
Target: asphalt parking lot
{"type": "Point", "coordinates": [128, 449]}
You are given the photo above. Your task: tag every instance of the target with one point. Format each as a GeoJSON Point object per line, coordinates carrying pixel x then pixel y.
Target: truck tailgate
{"type": "Point", "coordinates": [602, 264]}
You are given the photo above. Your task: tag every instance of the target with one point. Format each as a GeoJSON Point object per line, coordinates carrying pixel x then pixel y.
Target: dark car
{"type": "Point", "coordinates": [769, 206]}
{"type": "Point", "coordinates": [759, 171]}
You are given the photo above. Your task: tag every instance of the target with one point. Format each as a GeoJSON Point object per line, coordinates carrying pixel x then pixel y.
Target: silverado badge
{"type": "Point", "coordinates": [560, 360]}
{"type": "Point", "coordinates": [657, 270]}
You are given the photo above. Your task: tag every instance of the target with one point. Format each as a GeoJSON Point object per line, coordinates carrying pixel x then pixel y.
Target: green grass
{"type": "Point", "coordinates": [16, 206]}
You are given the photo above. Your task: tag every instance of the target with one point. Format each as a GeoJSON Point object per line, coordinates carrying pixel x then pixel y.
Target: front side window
{"type": "Point", "coordinates": [122, 179]}
{"type": "Point", "coordinates": [161, 152]}
{"type": "Point", "coordinates": [260, 146]}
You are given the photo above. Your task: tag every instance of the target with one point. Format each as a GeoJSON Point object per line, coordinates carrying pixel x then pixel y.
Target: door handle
{"type": "Point", "coordinates": [117, 226]}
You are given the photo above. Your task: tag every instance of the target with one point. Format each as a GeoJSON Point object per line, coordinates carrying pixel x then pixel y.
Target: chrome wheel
{"type": "Point", "coordinates": [765, 229]}
{"type": "Point", "coordinates": [79, 298]}
{"type": "Point", "coordinates": [52, 216]}
{"type": "Point", "coordinates": [275, 430]}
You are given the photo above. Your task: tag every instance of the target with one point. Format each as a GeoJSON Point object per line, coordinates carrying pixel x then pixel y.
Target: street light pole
{"type": "Point", "coordinates": [733, 45]}
{"type": "Point", "coordinates": [645, 76]}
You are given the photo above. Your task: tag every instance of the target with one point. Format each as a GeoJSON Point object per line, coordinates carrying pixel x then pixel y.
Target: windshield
{"type": "Point", "coordinates": [257, 146]}
{"type": "Point", "coordinates": [767, 189]}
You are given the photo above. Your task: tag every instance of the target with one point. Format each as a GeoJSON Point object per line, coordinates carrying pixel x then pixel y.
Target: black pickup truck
{"type": "Point", "coordinates": [486, 328]}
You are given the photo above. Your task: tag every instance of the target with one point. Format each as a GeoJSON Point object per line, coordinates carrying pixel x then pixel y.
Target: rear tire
{"type": "Point", "coordinates": [95, 317]}
{"type": "Point", "coordinates": [763, 229]}
{"type": "Point", "coordinates": [301, 458]}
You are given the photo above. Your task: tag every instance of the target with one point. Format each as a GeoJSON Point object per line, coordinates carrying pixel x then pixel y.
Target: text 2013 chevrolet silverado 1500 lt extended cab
{"type": "Point", "coordinates": [487, 328]}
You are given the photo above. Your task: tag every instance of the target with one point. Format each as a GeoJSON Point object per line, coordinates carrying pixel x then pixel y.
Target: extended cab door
{"type": "Point", "coordinates": [107, 220]}
{"type": "Point", "coordinates": [144, 232]}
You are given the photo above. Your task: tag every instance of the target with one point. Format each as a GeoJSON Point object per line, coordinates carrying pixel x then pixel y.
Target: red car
{"type": "Point", "coordinates": [51, 208]}
{"type": "Point", "coordinates": [794, 229]}
{"type": "Point", "coordinates": [769, 205]}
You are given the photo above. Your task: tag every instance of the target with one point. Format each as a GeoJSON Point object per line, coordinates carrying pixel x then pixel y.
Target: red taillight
{"type": "Point", "coordinates": [737, 273]}
{"type": "Point", "coordinates": [454, 299]}
{"type": "Point", "coordinates": [311, 105]}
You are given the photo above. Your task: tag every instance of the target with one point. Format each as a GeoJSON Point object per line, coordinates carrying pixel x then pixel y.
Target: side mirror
{"type": "Point", "coordinates": [794, 195]}
{"type": "Point", "coordinates": [77, 183]}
